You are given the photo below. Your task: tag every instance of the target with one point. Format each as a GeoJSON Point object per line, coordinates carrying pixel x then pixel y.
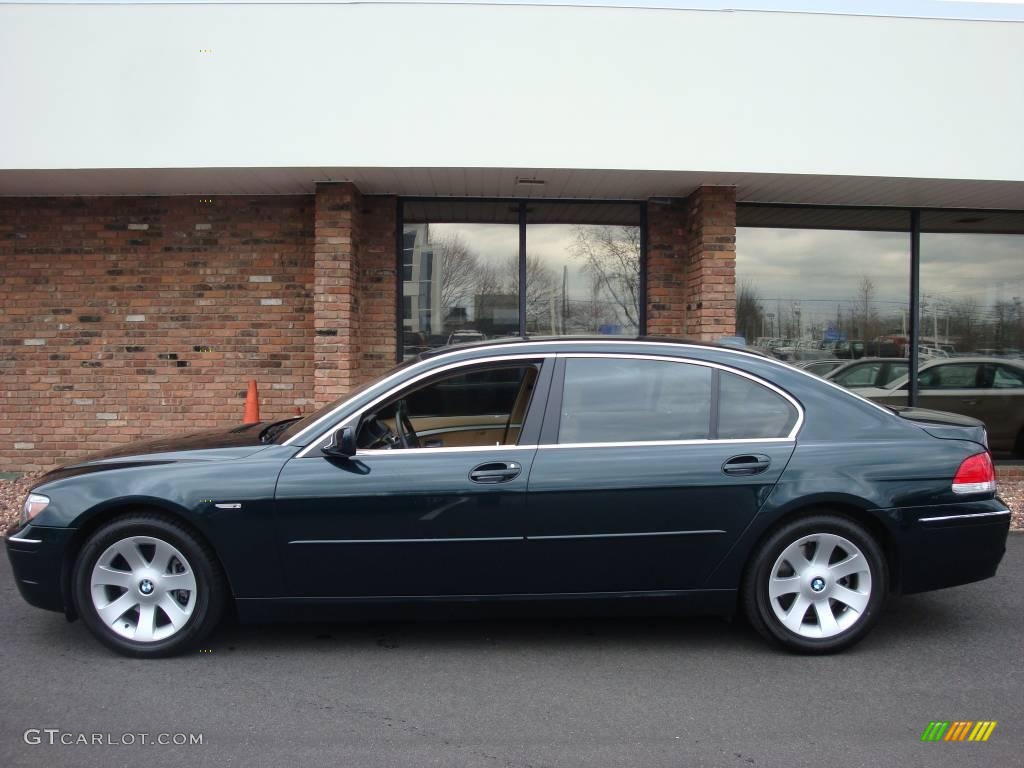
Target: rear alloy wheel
{"type": "Point", "coordinates": [145, 586]}
{"type": "Point", "coordinates": [817, 585]}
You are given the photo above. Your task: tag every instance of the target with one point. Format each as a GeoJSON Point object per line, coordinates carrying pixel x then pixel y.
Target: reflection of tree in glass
{"type": "Point", "coordinates": [611, 256]}
{"type": "Point", "coordinates": [457, 267]}
{"type": "Point", "coordinates": [750, 315]}
{"type": "Point", "coordinates": [541, 288]}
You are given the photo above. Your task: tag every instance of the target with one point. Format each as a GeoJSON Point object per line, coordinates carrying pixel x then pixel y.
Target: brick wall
{"type": "Point", "coordinates": [691, 265]}
{"type": "Point", "coordinates": [124, 317]}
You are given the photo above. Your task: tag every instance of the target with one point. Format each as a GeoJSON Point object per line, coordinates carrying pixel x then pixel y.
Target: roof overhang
{"type": "Point", "coordinates": [557, 183]}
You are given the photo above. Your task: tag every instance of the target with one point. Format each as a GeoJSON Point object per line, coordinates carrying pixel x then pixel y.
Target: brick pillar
{"type": "Point", "coordinates": [378, 286]}
{"type": "Point", "coordinates": [354, 288]}
{"type": "Point", "coordinates": [335, 298]}
{"type": "Point", "coordinates": [666, 268]}
{"type": "Point", "coordinates": [691, 265]}
{"type": "Point", "coordinates": [711, 259]}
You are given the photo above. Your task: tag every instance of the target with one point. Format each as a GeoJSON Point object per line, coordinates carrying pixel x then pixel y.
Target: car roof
{"type": "Point", "coordinates": [512, 341]}
{"type": "Point", "coordinates": [973, 359]}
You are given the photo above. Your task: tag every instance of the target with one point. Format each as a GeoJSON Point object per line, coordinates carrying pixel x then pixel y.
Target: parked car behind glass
{"type": "Point", "coordinates": [878, 372]}
{"type": "Point", "coordinates": [986, 388]}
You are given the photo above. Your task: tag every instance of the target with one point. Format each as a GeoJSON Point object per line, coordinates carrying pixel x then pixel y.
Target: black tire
{"type": "Point", "coordinates": [761, 610]}
{"type": "Point", "coordinates": [207, 601]}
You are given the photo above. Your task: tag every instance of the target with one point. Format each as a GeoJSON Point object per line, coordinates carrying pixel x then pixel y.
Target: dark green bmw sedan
{"type": "Point", "coordinates": [678, 476]}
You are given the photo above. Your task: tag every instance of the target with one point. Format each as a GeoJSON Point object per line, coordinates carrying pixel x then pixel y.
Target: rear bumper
{"type": "Point", "coordinates": [37, 555]}
{"type": "Point", "coordinates": [948, 545]}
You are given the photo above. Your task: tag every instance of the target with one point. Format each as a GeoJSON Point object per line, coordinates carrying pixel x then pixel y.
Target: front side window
{"type": "Point", "coordinates": [629, 400]}
{"type": "Point", "coordinates": [479, 407]}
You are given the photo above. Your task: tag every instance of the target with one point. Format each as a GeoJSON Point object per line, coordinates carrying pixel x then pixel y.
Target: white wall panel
{"type": "Point", "coordinates": [125, 86]}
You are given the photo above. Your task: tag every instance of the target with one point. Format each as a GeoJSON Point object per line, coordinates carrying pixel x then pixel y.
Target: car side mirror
{"type": "Point", "coordinates": [342, 445]}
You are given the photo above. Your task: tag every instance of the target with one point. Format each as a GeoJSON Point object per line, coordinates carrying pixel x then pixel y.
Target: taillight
{"type": "Point", "coordinates": [976, 475]}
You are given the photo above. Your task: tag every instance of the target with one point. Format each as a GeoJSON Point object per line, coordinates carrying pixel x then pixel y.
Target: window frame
{"type": "Point", "coordinates": [523, 205]}
{"type": "Point", "coordinates": [553, 412]}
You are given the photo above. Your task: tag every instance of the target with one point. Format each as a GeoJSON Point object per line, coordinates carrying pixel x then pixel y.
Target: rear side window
{"type": "Point", "coordinates": [1007, 378]}
{"type": "Point", "coordinates": [950, 376]}
{"type": "Point", "coordinates": [609, 400]}
{"type": "Point", "coordinates": [863, 375]}
{"type": "Point", "coordinates": [750, 410]}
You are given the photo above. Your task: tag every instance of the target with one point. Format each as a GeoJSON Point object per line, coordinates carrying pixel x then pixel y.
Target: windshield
{"type": "Point", "coordinates": [297, 426]}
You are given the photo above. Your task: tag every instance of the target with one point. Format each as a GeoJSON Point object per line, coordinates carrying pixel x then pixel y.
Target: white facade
{"type": "Point", "coordinates": [598, 101]}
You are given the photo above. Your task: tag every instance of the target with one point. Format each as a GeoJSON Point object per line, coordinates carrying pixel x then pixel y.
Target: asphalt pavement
{"type": "Point", "coordinates": [522, 692]}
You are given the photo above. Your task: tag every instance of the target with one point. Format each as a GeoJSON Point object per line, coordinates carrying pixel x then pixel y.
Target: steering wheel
{"type": "Point", "coordinates": [403, 426]}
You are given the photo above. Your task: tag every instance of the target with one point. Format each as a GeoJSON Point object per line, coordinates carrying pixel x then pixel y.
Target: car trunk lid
{"type": "Point", "coordinates": [944, 425]}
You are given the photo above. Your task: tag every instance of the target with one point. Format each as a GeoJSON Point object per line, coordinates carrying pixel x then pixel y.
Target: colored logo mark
{"type": "Point", "coordinates": [959, 730]}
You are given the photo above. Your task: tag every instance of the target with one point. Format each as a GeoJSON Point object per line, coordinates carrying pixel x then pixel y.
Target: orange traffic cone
{"type": "Point", "coordinates": [252, 404]}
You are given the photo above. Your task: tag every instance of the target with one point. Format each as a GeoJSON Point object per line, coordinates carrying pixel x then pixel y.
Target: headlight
{"type": "Point", "coordinates": [34, 504]}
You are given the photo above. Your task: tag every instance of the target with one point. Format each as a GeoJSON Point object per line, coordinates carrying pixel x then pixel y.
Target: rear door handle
{"type": "Point", "coordinates": [969, 402]}
{"type": "Point", "coordinates": [746, 464]}
{"type": "Point", "coordinates": [495, 472]}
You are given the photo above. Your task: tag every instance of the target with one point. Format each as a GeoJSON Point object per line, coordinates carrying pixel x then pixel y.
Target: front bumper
{"type": "Point", "coordinates": [953, 544]}
{"type": "Point", "coordinates": [36, 553]}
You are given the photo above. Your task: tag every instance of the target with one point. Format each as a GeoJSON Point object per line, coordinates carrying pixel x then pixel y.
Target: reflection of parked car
{"type": "Point", "coordinates": [465, 337]}
{"type": "Point", "coordinates": [987, 388]}
{"type": "Point", "coordinates": [414, 342]}
{"type": "Point", "coordinates": [869, 372]}
{"type": "Point", "coordinates": [819, 367]}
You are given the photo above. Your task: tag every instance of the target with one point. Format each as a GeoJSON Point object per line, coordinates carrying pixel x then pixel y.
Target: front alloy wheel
{"type": "Point", "coordinates": [143, 588]}
{"type": "Point", "coordinates": [816, 585]}
{"type": "Point", "coordinates": [147, 586]}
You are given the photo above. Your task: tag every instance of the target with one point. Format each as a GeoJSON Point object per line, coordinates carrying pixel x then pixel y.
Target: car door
{"type": "Point", "coordinates": [953, 387]}
{"type": "Point", "coordinates": [434, 520]}
{"type": "Point", "coordinates": [1001, 406]}
{"type": "Point", "coordinates": [648, 470]}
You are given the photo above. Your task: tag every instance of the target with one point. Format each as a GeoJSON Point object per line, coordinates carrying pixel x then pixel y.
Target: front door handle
{"type": "Point", "coordinates": [746, 464]}
{"type": "Point", "coordinates": [969, 402]}
{"type": "Point", "coordinates": [495, 472]}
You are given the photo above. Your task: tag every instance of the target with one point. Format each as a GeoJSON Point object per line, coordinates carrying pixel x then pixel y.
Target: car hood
{"type": "Point", "coordinates": [210, 445]}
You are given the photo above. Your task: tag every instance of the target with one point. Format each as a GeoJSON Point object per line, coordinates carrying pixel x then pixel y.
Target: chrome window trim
{"type": "Point", "coordinates": [567, 340]}
{"type": "Point", "coordinates": [629, 443]}
{"type": "Point", "coordinates": [419, 377]}
{"type": "Point", "coordinates": [369, 452]}
{"type": "Point", "coordinates": [791, 437]}
{"type": "Point", "coordinates": [963, 517]}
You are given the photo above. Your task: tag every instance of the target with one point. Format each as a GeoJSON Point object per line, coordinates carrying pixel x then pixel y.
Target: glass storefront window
{"type": "Point", "coordinates": [461, 268]}
{"type": "Point", "coordinates": [460, 279]}
{"type": "Point", "coordinates": [972, 284]}
{"type": "Point", "coordinates": [821, 284]}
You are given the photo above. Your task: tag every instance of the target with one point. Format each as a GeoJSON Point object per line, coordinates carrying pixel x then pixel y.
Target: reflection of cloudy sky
{"type": "Point", "coordinates": [822, 268]}
{"type": "Point", "coordinates": [986, 268]}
